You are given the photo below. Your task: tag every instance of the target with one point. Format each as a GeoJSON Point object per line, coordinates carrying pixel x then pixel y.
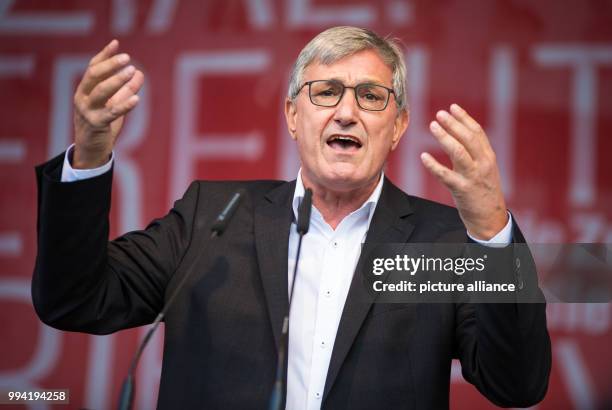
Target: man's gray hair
{"type": "Point", "coordinates": [338, 42]}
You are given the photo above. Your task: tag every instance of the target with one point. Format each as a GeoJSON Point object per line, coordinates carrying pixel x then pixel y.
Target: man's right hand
{"type": "Point", "coordinates": [105, 94]}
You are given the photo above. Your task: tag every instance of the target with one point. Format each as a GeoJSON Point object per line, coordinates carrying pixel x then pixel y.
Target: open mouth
{"type": "Point", "coordinates": [344, 142]}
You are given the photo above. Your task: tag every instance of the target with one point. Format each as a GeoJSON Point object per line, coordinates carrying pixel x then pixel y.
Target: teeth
{"type": "Point", "coordinates": [344, 138]}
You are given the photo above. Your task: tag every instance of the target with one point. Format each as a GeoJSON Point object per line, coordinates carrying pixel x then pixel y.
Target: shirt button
{"type": "Point", "coordinates": [322, 344]}
{"type": "Point", "coordinates": [328, 293]}
{"type": "Point", "coordinates": [335, 244]}
{"type": "Point", "coordinates": [318, 395]}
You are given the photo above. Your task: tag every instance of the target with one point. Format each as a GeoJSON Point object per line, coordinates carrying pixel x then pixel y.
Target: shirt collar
{"type": "Point", "coordinates": [369, 203]}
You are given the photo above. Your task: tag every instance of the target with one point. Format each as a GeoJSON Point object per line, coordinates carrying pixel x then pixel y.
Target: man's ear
{"type": "Point", "coordinates": [399, 127]}
{"type": "Point", "coordinates": [291, 117]}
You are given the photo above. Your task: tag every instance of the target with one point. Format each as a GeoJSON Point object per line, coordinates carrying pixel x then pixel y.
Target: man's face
{"type": "Point", "coordinates": [327, 161]}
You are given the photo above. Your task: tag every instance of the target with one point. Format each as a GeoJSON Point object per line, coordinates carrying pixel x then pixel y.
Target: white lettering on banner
{"type": "Point", "coordinates": [289, 160]}
{"type": "Point", "coordinates": [570, 363]}
{"type": "Point", "coordinates": [539, 229]}
{"type": "Point", "coordinates": [400, 12]}
{"type": "Point", "coordinates": [123, 16]}
{"type": "Point", "coordinates": [126, 169]}
{"type": "Point", "coordinates": [456, 376]}
{"type": "Point", "coordinates": [260, 14]}
{"type": "Point", "coordinates": [47, 347]}
{"type": "Point", "coordinates": [412, 176]}
{"type": "Point", "coordinates": [99, 372]}
{"type": "Point", "coordinates": [584, 60]}
{"type": "Point", "coordinates": [65, 72]}
{"type": "Point", "coordinates": [16, 66]}
{"type": "Point", "coordinates": [301, 13]}
{"type": "Point", "coordinates": [160, 16]}
{"type": "Point", "coordinates": [12, 150]}
{"type": "Point", "coordinates": [502, 113]}
{"type": "Point", "coordinates": [502, 102]}
{"type": "Point", "coordinates": [187, 145]}
{"type": "Point", "coordinates": [43, 23]}
{"type": "Point", "coordinates": [11, 244]}
{"type": "Point", "coordinates": [589, 227]}
{"type": "Point", "coordinates": [590, 318]}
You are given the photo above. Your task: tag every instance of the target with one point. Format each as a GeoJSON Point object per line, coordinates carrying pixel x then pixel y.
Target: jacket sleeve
{"type": "Point", "coordinates": [82, 282]}
{"type": "Point", "coordinates": [504, 348]}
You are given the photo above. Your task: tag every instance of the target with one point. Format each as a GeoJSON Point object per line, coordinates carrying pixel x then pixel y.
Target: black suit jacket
{"type": "Point", "coordinates": [223, 331]}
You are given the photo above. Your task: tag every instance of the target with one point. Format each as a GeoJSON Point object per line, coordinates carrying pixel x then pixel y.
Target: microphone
{"type": "Point", "coordinates": [302, 225]}
{"type": "Point", "coordinates": [126, 397]}
{"type": "Point", "coordinates": [224, 217]}
{"type": "Point", "coordinates": [303, 222]}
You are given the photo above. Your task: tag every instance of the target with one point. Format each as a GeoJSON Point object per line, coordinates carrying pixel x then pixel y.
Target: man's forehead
{"type": "Point", "coordinates": [364, 66]}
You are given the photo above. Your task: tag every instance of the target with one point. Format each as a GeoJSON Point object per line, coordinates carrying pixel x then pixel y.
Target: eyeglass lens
{"type": "Point", "coordinates": [328, 93]}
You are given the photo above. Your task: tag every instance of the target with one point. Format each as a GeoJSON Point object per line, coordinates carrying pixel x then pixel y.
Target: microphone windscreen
{"type": "Point", "coordinates": [226, 214]}
{"type": "Point", "coordinates": [303, 222]}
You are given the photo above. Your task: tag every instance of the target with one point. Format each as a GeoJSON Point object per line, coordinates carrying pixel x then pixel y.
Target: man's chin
{"type": "Point", "coordinates": [345, 181]}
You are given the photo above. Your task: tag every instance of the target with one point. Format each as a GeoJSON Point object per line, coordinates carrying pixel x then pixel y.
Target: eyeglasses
{"type": "Point", "coordinates": [328, 93]}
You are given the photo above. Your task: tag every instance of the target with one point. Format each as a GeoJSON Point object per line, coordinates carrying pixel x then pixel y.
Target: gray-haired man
{"type": "Point", "coordinates": [346, 110]}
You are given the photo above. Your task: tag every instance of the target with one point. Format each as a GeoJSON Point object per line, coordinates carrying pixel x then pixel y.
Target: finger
{"type": "Point", "coordinates": [107, 88]}
{"type": "Point", "coordinates": [459, 156]}
{"type": "Point", "coordinates": [101, 71]}
{"type": "Point", "coordinates": [461, 133]}
{"type": "Point", "coordinates": [110, 49]}
{"type": "Point", "coordinates": [128, 89]}
{"type": "Point", "coordinates": [464, 117]}
{"type": "Point", "coordinates": [115, 111]}
{"type": "Point", "coordinates": [448, 177]}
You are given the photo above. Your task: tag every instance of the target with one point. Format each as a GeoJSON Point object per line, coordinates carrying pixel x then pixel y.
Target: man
{"type": "Point", "coordinates": [346, 110]}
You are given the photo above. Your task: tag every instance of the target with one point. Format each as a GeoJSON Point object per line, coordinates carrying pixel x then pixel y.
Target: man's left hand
{"type": "Point", "coordinates": [474, 180]}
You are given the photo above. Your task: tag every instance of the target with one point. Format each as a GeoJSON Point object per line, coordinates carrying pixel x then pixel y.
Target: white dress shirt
{"type": "Point", "coordinates": [327, 261]}
{"type": "Point", "coordinates": [70, 174]}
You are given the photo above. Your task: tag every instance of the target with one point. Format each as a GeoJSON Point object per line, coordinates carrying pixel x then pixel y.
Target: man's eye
{"type": "Point", "coordinates": [369, 96]}
{"type": "Point", "coordinates": [327, 93]}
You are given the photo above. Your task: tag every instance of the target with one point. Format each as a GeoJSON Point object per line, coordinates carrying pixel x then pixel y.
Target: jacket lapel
{"type": "Point", "coordinates": [272, 220]}
{"type": "Point", "coordinates": [389, 225]}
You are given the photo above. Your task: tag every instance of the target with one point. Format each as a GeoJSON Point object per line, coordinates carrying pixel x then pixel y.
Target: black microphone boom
{"type": "Point", "coordinates": [302, 225]}
{"type": "Point", "coordinates": [126, 397]}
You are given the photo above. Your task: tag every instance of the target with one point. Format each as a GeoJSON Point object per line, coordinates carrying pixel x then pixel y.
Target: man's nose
{"type": "Point", "coordinates": [347, 109]}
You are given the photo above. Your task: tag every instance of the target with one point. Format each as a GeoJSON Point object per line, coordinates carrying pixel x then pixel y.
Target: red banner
{"type": "Point", "coordinates": [536, 75]}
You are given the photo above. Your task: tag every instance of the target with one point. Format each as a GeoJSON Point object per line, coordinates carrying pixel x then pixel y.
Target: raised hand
{"type": "Point", "coordinates": [474, 180]}
{"type": "Point", "coordinates": [105, 94]}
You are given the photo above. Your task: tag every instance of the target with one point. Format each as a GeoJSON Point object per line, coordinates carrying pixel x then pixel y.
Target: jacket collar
{"type": "Point", "coordinates": [389, 225]}
{"type": "Point", "coordinates": [272, 221]}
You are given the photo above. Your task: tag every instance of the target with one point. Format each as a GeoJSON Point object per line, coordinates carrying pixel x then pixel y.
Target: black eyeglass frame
{"type": "Point", "coordinates": [344, 87]}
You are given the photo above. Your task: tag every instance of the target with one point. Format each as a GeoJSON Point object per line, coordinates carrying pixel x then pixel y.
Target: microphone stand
{"type": "Point", "coordinates": [303, 223]}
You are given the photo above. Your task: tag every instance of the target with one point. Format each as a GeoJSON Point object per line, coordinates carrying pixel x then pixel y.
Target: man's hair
{"type": "Point", "coordinates": [336, 43]}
